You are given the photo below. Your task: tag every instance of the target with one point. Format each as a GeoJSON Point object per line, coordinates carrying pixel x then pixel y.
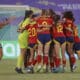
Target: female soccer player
{"type": "Point", "coordinates": [68, 19]}
{"type": "Point", "coordinates": [32, 40]}
{"type": "Point", "coordinates": [76, 45]}
{"type": "Point", "coordinates": [59, 42]}
{"type": "Point", "coordinates": [44, 38]}
{"type": "Point", "coordinates": [23, 39]}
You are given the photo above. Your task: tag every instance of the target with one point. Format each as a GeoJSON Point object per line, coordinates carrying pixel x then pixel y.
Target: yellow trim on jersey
{"type": "Point", "coordinates": [64, 43]}
{"type": "Point", "coordinates": [33, 47]}
{"type": "Point", "coordinates": [38, 41]}
{"type": "Point", "coordinates": [48, 42]}
{"type": "Point", "coordinates": [55, 41]}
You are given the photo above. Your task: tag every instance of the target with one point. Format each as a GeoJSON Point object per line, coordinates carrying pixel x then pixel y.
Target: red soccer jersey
{"type": "Point", "coordinates": [76, 37]}
{"type": "Point", "coordinates": [58, 31]}
{"type": "Point", "coordinates": [43, 22]}
{"type": "Point", "coordinates": [32, 28]}
{"type": "Point", "coordinates": [68, 28]}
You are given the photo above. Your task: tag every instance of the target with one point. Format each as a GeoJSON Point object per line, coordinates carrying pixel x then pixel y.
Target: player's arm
{"type": "Point", "coordinates": [69, 29]}
{"type": "Point", "coordinates": [23, 25]}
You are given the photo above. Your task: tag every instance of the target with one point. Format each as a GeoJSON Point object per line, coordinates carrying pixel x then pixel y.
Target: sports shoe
{"type": "Point", "coordinates": [38, 68]}
{"type": "Point", "coordinates": [53, 69]}
{"type": "Point", "coordinates": [73, 67]}
{"type": "Point", "coordinates": [45, 68]}
{"type": "Point", "coordinates": [18, 70]}
{"type": "Point", "coordinates": [58, 70]}
{"type": "Point", "coordinates": [30, 70]}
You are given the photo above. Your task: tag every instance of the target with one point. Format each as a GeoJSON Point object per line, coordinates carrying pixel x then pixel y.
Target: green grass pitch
{"type": "Point", "coordinates": [7, 72]}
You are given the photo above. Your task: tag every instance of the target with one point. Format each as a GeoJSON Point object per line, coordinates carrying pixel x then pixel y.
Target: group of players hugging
{"type": "Point", "coordinates": [43, 38]}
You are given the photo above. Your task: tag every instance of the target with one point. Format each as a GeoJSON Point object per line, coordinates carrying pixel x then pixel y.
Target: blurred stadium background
{"type": "Point", "coordinates": [8, 35]}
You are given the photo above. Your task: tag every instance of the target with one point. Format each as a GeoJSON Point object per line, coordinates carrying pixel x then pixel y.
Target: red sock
{"type": "Point", "coordinates": [26, 62]}
{"type": "Point", "coordinates": [29, 63]}
{"type": "Point", "coordinates": [57, 62]}
{"type": "Point", "coordinates": [51, 64]}
{"type": "Point", "coordinates": [64, 63]}
{"type": "Point", "coordinates": [45, 60]}
{"type": "Point", "coordinates": [73, 60]}
{"type": "Point", "coordinates": [39, 58]}
{"type": "Point", "coordinates": [34, 61]}
{"type": "Point", "coordinates": [54, 58]}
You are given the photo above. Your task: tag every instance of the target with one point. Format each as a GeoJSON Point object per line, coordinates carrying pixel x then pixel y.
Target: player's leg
{"type": "Point", "coordinates": [40, 52]}
{"type": "Point", "coordinates": [57, 52]}
{"type": "Point", "coordinates": [39, 56]}
{"type": "Point", "coordinates": [52, 57]}
{"type": "Point", "coordinates": [35, 55]}
{"type": "Point", "coordinates": [63, 50]}
{"type": "Point", "coordinates": [20, 60]}
{"type": "Point", "coordinates": [46, 57]}
{"type": "Point", "coordinates": [30, 63]}
{"type": "Point", "coordinates": [26, 58]}
{"type": "Point", "coordinates": [23, 47]}
{"type": "Point", "coordinates": [72, 58]}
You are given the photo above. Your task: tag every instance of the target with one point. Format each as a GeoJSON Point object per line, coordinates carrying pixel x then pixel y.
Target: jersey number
{"type": "Point", "coordinates": [60, 28]}
{"type": "Point", "coordinates": [32, 32]}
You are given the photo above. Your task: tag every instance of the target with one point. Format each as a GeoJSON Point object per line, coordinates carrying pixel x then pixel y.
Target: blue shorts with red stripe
{"type": "Point", "coordinates": [60, 40]}
{"type": "Point", "coordinates": [31, 45]}
{"type": "Point", "coordinates": [44, 38]}
{"type": "Point", "coordinates": [76, 46]}
{"type": "Point", "coordinates": [70, 39]}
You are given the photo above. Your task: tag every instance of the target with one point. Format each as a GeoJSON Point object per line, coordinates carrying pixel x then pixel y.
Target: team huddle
{"type": "Point", "coordinates": [43, 37]}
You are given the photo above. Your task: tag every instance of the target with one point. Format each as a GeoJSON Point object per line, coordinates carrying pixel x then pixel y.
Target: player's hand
{"type": "Point", "coordinates": [20, 30]}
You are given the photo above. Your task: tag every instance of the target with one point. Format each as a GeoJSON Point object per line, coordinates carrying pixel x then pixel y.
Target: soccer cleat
{"type": "Point", "coordinates": [30, 70]}
{"type": "Point", "coordinates": [73, 67]}
{"type": "Point", "coordinates": [58, 70]}
{"type": "Point", "coordinates": [45, 68]}
{"type": "Point", "coordinates": [62, 69]}
{"type": "Point", "coordinates": [53, 69]}
{"type": "Point", "coordinates": [18, 70]}
{"type": "Point", "coordinates": [38, 68]}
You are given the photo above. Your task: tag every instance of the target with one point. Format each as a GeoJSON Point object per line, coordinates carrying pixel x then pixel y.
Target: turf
{"type": "Point", "coordinates": [7, 72]}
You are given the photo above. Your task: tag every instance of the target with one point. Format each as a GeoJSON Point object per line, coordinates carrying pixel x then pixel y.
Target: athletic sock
{"type": "Point", "coordinates": [64, 63]}
{"type": "Point", "coordinates": [45, 60]}
{"type": "Point", "coordinates": [73, 60]}
{"type": "Point", "coordinates": [39, 58]}
{"type": "Point", "coordinates": [57, 62]}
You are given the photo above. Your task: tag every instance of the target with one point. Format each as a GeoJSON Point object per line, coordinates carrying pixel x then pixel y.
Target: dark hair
{"type": "Point", "coordinates": [28, 13]}
{"type": "Point", "coordinates": [43, 11]}
{"type": "Point", "coordinates": [69, 15]}
{"type": "Point", "coordinates": [52, 12]}
{"type": "Point", "coordinates": [56, 19]}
